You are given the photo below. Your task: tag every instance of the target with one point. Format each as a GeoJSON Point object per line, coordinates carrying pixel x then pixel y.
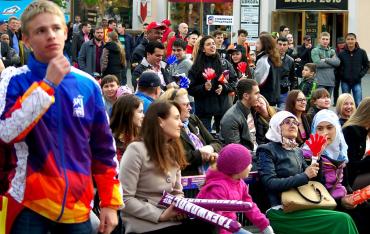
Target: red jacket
{"type": "Point", "coordinates": [165, 34]}
{"type": "Point", "coordinates": [170, 43]}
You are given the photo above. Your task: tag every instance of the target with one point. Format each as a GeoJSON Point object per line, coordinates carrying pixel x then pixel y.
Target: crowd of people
{"type": "Point", "coordinates": [199, 105]}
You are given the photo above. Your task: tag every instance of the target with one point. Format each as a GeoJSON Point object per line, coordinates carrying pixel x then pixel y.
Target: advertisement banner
{"type": "Point", "coordinates": [12, 8]}
{"type": "Point", "coordinates": [250, 18]}
{"type": "Point", "coordinates": [219, 20]}
{"type": "Point", "coordinates": [312, 4]}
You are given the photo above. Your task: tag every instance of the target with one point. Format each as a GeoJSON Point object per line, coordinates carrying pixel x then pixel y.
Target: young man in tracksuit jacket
{"type": "Point", "coordinates": [53, 117]}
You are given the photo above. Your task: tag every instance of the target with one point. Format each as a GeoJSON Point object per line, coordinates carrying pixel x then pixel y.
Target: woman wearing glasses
{"type": "Point", "coordinates": [296, 103]}
{"type": "Point", "coordinates": [200, 146]}
{"type": "Point", "coordinates": [281, 167]}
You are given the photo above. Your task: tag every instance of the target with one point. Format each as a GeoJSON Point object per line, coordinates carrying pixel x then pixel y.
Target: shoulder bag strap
{"type": "Point", "coordinates": [307, 199]}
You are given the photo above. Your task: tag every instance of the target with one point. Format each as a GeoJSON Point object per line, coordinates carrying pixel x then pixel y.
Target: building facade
{"type": "Point", "coordinates": [338, 17]}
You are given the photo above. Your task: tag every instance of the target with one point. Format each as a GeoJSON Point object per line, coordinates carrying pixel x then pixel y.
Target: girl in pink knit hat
{"type": "Point", "coordinates": [227, 183]}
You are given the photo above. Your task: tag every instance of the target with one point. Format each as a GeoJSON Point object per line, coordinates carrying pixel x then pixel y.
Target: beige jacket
{"type": "Point", "coordinates": [143, 185]}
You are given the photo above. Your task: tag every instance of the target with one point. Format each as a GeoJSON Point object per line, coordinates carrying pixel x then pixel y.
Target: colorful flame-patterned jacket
{"type": "Point", "coordinates": [61, 139]}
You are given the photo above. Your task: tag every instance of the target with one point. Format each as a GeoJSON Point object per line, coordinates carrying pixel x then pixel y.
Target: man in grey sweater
{"type": "Point", "coordinates": [326, 61]}
{"type": "Point", "coordinates": [182, 64]}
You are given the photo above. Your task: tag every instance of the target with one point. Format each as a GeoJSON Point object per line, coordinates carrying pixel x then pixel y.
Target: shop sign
{"type": "Point", "coordinates": [144, 9]}
{"type": "Point", "coordinates": [312, 4]}
{"type": "Point", "coordinates": [219, 20]}
{"type": "Point", "coordinates": [250, 17]}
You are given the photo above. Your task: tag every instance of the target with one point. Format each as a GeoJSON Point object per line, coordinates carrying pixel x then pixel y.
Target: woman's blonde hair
{"type": "Point", "coordinates": [270, 110]}
{"type": "Point", "coordinates": [173, 94]}
{"type": "Point", "coordinates": [40, 7]}
{"type": "Point", "coordinates": [361, 117]}
{"type": "Point", "coordinates": [114, 37]}
{"type": "Point", "coordinates": [340, 102]}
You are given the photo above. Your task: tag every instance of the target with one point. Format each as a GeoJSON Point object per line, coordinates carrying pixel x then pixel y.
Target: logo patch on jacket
{"type": "Point", "coordinates": [78, 106]}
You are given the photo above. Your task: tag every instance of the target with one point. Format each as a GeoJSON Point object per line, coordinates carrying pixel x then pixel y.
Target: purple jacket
{"type": "Point", "coordinates": [333, 174]}
{"type": "Point", "coordinates": [221, 186]}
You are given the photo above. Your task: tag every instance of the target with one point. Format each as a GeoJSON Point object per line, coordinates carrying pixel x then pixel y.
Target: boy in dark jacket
{"type": "Point", "coordinates": [308, 84]}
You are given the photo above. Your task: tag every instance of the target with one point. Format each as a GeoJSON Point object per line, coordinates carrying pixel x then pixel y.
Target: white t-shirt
{"type": "Point", "coordinates": [252, 130]}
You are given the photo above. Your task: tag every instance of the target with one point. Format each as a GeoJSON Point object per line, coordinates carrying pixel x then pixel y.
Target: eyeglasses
{"type": "Point", "coordinates": [301, 100]}
{"type": "Point", "coordinates": [290, 122]}
{"type": "Point", "coordinates": [185, 104]}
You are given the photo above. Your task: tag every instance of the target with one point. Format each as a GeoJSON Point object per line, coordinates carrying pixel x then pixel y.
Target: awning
{"type": "Point", "coordinates": [204, 1]}
{"type": "Point", "coordinates": [12, 8]}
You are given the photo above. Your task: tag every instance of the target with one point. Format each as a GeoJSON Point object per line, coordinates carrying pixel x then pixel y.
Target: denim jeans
{"type": "Point", "coordinates": [281, 104]}
{"type": "Point", "coordinates": [356, 91]}
{"type": "Point", "coordinates": [29, 221]}
{"type": "Point", "coordinates": [207, 122]}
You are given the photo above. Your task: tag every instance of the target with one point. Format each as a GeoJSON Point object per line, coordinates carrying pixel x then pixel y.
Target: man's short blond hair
{"type": "Point", "coordinates": [39, 7]}
{"type": "Point", "coordinates": [324, 34]}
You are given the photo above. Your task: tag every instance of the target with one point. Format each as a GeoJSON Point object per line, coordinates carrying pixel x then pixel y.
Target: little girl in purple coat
{"type": "Point", "coordinates": [227, 183]}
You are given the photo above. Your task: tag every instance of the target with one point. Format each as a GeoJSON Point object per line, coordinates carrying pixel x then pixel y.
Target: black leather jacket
{"type": "Point", "coordinates": [234, 126]}
{"type": "Point", "coordinates": [287, 75]}
{"type": "Point", "coordinates": [280, 169]}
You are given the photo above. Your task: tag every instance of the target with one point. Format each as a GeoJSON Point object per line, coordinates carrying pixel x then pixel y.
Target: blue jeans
{"type": "Point", "coordinates": [356, 91]}
{"type": "Point", "coordinates": [207, 122]}
{"type": "Point", "coordinates": [29, 221]}
{"type": "Point", "coordinates": [282, 99]}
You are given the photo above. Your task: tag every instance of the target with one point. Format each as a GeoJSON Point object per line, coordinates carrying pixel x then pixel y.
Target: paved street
{"type": "Point", "coordinates": [366, 86]}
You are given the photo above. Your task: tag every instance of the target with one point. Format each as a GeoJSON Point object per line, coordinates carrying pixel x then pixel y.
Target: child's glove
{"type": "Point", "coordinates": [316, 144]}
{"type": "Point", "coordinates": [171, 60]}
{"type": "Point", "coordinates": [209, 74]}
{"type": "Point", "coordinates": [242, 67]}
{"type": "Point", "coordinates": [268, 230]}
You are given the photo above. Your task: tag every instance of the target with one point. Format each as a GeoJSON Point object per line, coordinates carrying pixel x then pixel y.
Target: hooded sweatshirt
{"type": "Point", "coordinates": [221, 186]}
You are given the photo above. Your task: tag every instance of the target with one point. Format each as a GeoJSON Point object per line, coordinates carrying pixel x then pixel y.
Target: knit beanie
{"type": "Point", "coordinates": [233, 159]}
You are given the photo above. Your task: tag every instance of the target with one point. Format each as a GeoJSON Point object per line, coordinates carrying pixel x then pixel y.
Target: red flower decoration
{"type": "Point", "coordinates": [209, 74]}
{"type": "Point", "coordinates": [242, 67]}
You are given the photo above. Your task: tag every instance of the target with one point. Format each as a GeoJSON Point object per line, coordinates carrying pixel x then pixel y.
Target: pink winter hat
{"type": "Point", "coordinates": [233, 159]}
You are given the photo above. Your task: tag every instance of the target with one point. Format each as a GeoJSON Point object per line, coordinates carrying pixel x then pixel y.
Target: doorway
{"type": "Point", "coordinates": [312, 23]}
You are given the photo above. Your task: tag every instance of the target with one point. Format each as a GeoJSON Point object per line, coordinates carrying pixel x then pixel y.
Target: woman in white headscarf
{"type": "Point", "coordinates": [334, 156]}
{"type": "Point", "coordinates": [281, 167]}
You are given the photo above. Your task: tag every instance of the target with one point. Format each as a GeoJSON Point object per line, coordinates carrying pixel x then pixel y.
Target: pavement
{"type": "Point", "coordinates": [366, 86]}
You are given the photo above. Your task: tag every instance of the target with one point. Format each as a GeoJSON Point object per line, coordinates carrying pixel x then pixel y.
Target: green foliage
{"type": "Point", "coordinates": [61, 3]}
{"type": "Point", "coordinates": [91, 2]}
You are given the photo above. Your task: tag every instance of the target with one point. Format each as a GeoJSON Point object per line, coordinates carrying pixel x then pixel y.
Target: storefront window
{"type": "Point", "coordinates": [194, 13]}
{"type": "Point", "coordinates": [121, 10]}
{"type": "Point", "coordinates": [312, 19]}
